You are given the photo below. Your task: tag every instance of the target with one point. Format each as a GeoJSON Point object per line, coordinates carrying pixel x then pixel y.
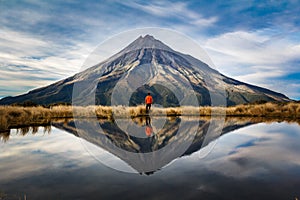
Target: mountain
{"type": "Point", "coordinates": [149, 61]}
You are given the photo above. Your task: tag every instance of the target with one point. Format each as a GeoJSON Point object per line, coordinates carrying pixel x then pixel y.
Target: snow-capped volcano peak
{"type": "Point", "coordinates": [145, 42]}
{"type": "Point", "coordinates": [151, 62]}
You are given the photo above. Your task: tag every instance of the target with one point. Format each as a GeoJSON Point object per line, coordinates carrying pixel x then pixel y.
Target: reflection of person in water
{"type": "Point", "coordinates": [148, 128]}
{"type": "Point", "coordinates": [148, 102]}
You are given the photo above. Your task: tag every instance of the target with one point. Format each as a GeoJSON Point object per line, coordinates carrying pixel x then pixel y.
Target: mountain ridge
{"type": "Point", "coordinates": [165, 63]}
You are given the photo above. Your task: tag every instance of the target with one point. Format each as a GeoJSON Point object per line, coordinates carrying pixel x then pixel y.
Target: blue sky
{"type": "Point", "coordinates": [257, 42]}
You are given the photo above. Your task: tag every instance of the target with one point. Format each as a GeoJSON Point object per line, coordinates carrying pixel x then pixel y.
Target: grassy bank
{"type": "Point", "coordinates": [12, 116]}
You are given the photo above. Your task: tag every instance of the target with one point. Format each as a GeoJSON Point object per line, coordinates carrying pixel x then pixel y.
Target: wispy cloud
{"type": "Point", "coordinates": [255, 48]}
{"type": "Point", "coordinates": [256, 57]}
{"type": "Point", "coordinates": [27, 61]}
{"type": "Point", "coordinates": [174, 10]}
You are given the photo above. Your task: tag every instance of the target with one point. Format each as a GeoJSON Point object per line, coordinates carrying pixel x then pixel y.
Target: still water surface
{"type": "Point", "coordinates": [246, 161]}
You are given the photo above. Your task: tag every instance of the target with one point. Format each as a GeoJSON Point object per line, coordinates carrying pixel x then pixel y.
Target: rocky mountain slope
{"type": "Point", "coordinates": [149, 61]}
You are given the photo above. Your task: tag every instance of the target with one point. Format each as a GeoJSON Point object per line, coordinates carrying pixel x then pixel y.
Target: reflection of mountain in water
{"type": "Point", "coordinates": [170, 140]}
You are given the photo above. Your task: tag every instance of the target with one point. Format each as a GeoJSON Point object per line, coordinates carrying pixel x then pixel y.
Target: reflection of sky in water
{"type": "Point", "coordinates": [255, 150]}
{"type": "Point", "coordinates": [33, 153]}
{"type": "Point", "coordinates": [256, 162]}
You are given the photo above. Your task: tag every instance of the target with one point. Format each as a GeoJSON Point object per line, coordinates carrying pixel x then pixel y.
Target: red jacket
{"type": "Point", "coordinates": [148, 99]}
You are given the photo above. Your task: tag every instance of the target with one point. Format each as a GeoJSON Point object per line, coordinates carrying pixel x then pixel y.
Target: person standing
{"type": "Point", "coordinates": [148, 102]}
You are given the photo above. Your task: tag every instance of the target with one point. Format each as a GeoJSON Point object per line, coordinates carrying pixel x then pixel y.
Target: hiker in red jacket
{"type": "Point", "coordinates": [148, 102]}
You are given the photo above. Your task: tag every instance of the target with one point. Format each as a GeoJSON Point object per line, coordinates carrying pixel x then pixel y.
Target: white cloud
{"type": "Point", "coordinates": [175, 10]}
{"type": "Point", "coordinates": [256, 57]}
{"type": "Point", "coordinates": [254, 48]}
{"type": "Point", "coordinates": [262, 75]}
{"type": "Point", "coordinates": [24, 16]}
{"type": "Point", "coordinates": [29, 61]}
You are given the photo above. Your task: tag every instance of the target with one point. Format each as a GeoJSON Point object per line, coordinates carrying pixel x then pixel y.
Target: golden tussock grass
{"type": "Point", "coordinates": [13, 116]}
{"type": "Point", "coordinates": [287, 110]}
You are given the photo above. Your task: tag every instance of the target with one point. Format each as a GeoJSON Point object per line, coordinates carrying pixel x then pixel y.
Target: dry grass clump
{"type": "Point", "coordinates": [290, 110]}
{"type": "Point", "coordinates": [141, 111]}
{"type": "Point", "coordinates": [60, 111]}
{"type": "Point", "coordinates": [205, 111]}
{"type": "Point", "coordinates": [91, 111]}
{"type": "Point", "coordinates": [12, 116]}
{"type": "Point", "coordinates": [172, 111]}
{"type": "Point", "coordinates": [3, 122]}
{"type": "Point", "coordinates": [137, 111]}
{"type": "Point", "coordinates": [157, 111]}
